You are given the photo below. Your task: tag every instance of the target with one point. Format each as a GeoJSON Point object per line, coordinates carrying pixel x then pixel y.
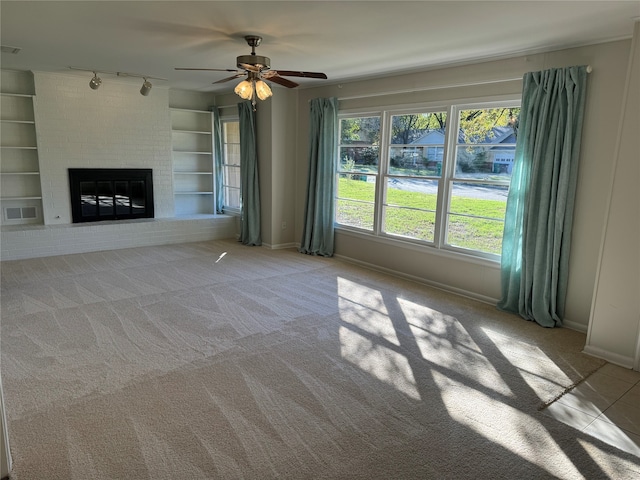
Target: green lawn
{"type": "Point", "coordinates": [483, 234]}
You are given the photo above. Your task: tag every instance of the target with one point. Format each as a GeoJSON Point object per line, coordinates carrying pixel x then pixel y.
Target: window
{"type": "Point", "coordinates": [437, 176]}
{"type": "Point", "coordinates": [231, 164]}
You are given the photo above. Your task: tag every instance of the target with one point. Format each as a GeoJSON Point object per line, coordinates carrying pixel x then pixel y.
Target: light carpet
{"type": "Point", "coordinates": [217, 361]}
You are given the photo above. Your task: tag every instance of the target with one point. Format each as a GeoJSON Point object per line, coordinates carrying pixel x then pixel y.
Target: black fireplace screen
{"type": "Point", "coordinates": [110, 193]}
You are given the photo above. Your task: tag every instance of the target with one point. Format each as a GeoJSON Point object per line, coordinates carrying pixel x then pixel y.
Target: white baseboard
{"type": "Point", "coordinates": [439, 286]}
{"type": "Point", "coordinates": [612, 357]}
{"type": "Point", "coordinates": [280, 246]}
{"type": "Point", "coordinates": [574, 326]}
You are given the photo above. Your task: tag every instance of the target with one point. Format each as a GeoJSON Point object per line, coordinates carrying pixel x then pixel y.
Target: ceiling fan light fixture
{"type": "Point", "coordinates": [262, 90]}
{"type": "Point", "coordinates": [244, 90]}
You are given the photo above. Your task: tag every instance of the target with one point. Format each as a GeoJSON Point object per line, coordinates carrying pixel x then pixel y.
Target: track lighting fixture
{"type": "Point", "coordinates": [95, 82]}
{"type": "Point", "coordinates": [146, 87]}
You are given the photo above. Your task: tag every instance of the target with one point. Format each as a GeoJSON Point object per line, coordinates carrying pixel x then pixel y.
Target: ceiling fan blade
{"type": "Point", "coordinates": [291, 73]}
{"type": "Point", "coordinates": [281, 81]}
{"type": "Point", "coordinates": [238, 75]}
{"type": "Point", "coordinates": [211, 69]}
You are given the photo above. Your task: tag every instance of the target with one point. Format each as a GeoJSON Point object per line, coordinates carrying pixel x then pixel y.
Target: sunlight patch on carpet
{"type": "Point", "coordinates": [505, 426]}
{"type": "Point", "coordinates": [379, 361]}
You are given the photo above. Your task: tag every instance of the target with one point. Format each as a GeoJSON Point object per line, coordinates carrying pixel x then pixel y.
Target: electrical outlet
{"type": "Point", "coordinates": [284, 225]}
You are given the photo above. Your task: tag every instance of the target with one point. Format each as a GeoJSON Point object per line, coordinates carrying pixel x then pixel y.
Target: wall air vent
{"type": "Point", "coordinates": [20, 213]}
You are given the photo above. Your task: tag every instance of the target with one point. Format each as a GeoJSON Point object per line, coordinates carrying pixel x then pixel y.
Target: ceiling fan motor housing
{"type": "Point", "coordinates": [257, 61]}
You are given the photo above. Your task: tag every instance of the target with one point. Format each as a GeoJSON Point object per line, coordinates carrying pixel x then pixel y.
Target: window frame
{"type": "Point", "coordinates": [446, 180]}
{"type": "Point", "coordinates": [225, 164]}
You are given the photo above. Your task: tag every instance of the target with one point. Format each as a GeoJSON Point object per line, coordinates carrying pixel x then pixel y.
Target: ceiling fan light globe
{"type": "Point", "coordinates": [244, 90]}
{"type": "Point", "coordinates": [262, 90]}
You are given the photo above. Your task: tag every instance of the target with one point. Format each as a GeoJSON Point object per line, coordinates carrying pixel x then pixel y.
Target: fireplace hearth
{"type": "Point", "coordinates": [99, 194]}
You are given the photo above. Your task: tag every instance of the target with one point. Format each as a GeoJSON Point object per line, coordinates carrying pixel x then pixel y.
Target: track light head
{"type": "Point", "coordinates": [95, 82]}
{"type": "Point", "coordinates": [146, 87]}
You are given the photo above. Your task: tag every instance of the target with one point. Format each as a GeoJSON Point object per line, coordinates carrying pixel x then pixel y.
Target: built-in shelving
{"type": "Point", "coordinates": [20, 189]}
{"type": "Point", "coordinates": [192, 143]}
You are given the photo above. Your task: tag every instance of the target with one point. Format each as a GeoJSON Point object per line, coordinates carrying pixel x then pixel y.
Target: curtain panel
{"type": "Point", "coordinates": [249, 186]}
{"type": "Point", "coordinates": [318, 228]}
{"type": "Point", "coordinates": [218, 169]}
{"type": "Point", "coordinates": [540, 204]}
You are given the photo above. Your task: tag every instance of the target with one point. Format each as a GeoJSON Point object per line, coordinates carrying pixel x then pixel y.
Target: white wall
{"type": "Point", "coordinates": [5, 455]}
{"type": "Point", "coordinates": [112, 127]}
{"type": "Point", "coordinates": [614, 329]}
{"type": "Point", "coordinates": [455, 272]}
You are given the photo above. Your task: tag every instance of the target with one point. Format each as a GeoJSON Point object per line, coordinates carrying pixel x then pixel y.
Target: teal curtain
{"type": "Point", "coordinates": [218, 169]}
{"type": "Point", "coordinates": [538, 220]}
{"type": "Point", "coordinates": [318, 229]}
{"type": "Point", "coordinates": [249, 185]}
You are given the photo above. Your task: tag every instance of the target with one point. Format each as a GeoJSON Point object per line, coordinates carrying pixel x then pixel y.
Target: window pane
{"type": "Point", "coordinates": [412, 192]}
{"type": "Point", "coordinates": [486, 143]}
{"type": "Point", "coordinates": [417, 144]}
{"type": "Point", "coordinates": [475, 234]}
{"type": "Point", "coordinates": [231, 132]}
{"type": "Point", "coordinates": [485, 163]}
{"type": "Point", "coordinates": [360, 130]}
{"type": "Point", "coordinates": [410, 207]}
{"type": "Point", "coordinates": [231, 186]}
{"type": "Point", "coordinates": [489, 125]}
{"type": "Point", "coordinates": [418, 128]}
{"type": "Point", "coordinates": [418, 224]}
{"type": "Point", "coordinates": [354, 214]}
{"type": "Point", "coordinates": [358, 159]}
{"type": "Point", "coordinates": [233, 197]}
{"type": "Point", "coordinates": [476, 216]}
{"type": "Point", "coordinates": [416, 160]}
{"type": "Point", "coordinates": [232, 154]}
{"type": "Point", "coordinates": [355, 202]}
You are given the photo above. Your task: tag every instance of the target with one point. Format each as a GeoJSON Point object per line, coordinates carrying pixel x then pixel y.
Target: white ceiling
{"type": "Point", "coordinates": [344, 39]}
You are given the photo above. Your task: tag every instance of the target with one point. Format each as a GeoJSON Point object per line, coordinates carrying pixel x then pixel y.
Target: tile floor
{"type": "Point", "coordinates": [606, 406]}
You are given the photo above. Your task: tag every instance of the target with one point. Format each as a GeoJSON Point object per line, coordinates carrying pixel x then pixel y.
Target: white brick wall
{"type": "Point", "coordinates": [112, 127]}
{"type": "Point", "coordinates": [31, 241]}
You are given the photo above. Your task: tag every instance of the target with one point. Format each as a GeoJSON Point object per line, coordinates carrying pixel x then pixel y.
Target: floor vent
{"type": "Point", "coordinates": [20, 213]}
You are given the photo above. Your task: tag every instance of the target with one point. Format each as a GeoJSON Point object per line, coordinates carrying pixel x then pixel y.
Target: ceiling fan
{"type": "Point", "coordinates": [257, 68]}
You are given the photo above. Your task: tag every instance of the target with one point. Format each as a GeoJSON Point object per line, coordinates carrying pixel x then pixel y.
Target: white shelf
{"type": "Point", "coordinates": [193, 193]}
{"type": "Point", "coordinates": [19, 95]}
{"type": "Point", "coordinates": [30, 122]}
{"type": "Point", "coordinates": [19, 170]}
{"type": "Point", "coordinates": [191, 152]}
{"type": "Point", "coordinates": [9, 199]}
{"type": "Point", "coordinates": [192, 145]}
{"type": "Point", "coordinates": [197, 132]}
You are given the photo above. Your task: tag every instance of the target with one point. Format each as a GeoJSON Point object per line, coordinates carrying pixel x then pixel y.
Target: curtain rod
{"type": "Point", "coordinates": [438, 87]}
{"type": "Point", "coordinates": [424, 89]}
